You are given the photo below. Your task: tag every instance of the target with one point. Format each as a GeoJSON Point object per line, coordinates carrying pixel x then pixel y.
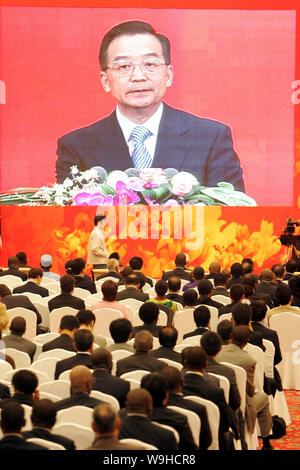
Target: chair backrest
{"type": "Point", "coordinates": [49, 396]}
{"type": "Point", "coordinates": [21, 358]}
{"type": "Point", "coordinates": [169, 362]}
{"type": "Point", "coordinates": [83, 436]}
{"type": "Point", "coordinates": [214, 316]}
{"type": "Point", "coordinates": [58, 353]}
{"type": "Point", "coordinates": [225, 316]}
{"type": "Point", "coordinates": [4, 367]}
{"type": "Point", "coordinates": [120, 354]}
{"type": "Point", "coordinates": [133, 383]}
{"type": "Point", "coordinates": [104, 317]}
{"type": "Point", "coordinates": [169, 428]}
{"type": "Point", "coordinates": [222, 299]}
{"type": "Point", "coordinates": [257, 353]}
{"type": "Point", "coordinates": [184, 322]}
{"type": "Point", "coordinates": [269, 358]}
{"type": "Point", "coordinates": [134, 304]}
{"type": "Point", "coordinates": [213, 415]}
{"type": "Point", "coordinates": [44, 312]}
{"type": "Point", "coordinates": [46, 337]}
{"type": "Point", "coordinates": [81, 293]}
{"type": "Point", "coordinates": [27, 417]}
{"type": "Point", "coordinates": [135, 374]}
{"type": "Point", "coordinates": [193, 421]}
{"type": "Point", "coordinates": [60, 388]}
{"type": "Point", "coordinates": [65, 375]}
{"type": "Point", "coordinates": [75, 414]}
{"type": "Point", "coordinates": [11, 281]}
{"type": "Point", "coordinates": [50, 445]}
{"type": "Point", "coordinates": [138, 443]}
{"type": "Point", "coordinates": [106, 398]}
{"type": "Point", "coordinates": [287, 326]}
{"type": "Point", "coordinates": [224, 384]}
{"type": "Point", "coordinates": [32, 296]}
{"type": "Point", "coordinates": [57, 314]}
{"type": "Point", "coordinates": [46, 365]}
{"type": "Point", "coordinates": [192, 340]}
{"type": "Point", "coordinates": [30, 317]}
{"type": "Point", "coordinates": [93, 299]}
{"type": "Point", "coordinates": [241, 378]}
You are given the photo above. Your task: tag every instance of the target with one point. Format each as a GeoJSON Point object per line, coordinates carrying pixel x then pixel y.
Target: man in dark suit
{"type": "Point", "coordinates": [43, 418]}
{"type": "Point", "coordinates": [13, 301]}
{"type": "Point", "coordinates": [136, 424]}
{"type": "Point", "coordinates": [66, 298]}
{"type": "Point", "coordinates": [220, 285]}
{"type": "Point", "coordinates": [13, 269]}
{"type": "Point", "coordinates": [237, 295]}
{"type": "Point", "coordinates": [237, 272]}
{"type": "Point", "coordinates": [81, 379]}
{"type": "Point", "coordinates": [201, 319]}
{"type": "Point", "coordinates": [83, 343]}
{"type": "Point", "coordinates": [104, 381]}
{"type": "Point", "coordinates": [267, 285]}
{"type": "Point", "coordinates": [67, 329]}
{"type": "Point", "coordinates": [82, 280]}
{"type": "Point", "coordinates": [198, 274]}
{"type": "Point", "coordinates": [167, 338]}
{"type": "Point", "coordinates": [136, 263]}
{"type": "Point", "coordinates": [176, 398]}
{"type": "Point", "coordinates": [242, 315]}
{"type": "Point", "coordinates": [148, 313]}
{"type": "Point", "coordinates": [15, 339]}
{"type": "Point", "coordinates": [180, 270]}
{"type": "Point", "coordinates": [132, 289]}
{"type": "Point", "coordinates": [141, 359]}
{"type": "Point", "coordinates": [174, 287]}
{"type": "Point", "coordinates": [205, 289]}
{"type": "Point", "coordinates": [35, 276]}
{"type": "Point", "coordinates": [25, 385]}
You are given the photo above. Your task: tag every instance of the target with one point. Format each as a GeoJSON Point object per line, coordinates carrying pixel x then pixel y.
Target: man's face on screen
{"type": "Point", "coordinates": [136, 91]}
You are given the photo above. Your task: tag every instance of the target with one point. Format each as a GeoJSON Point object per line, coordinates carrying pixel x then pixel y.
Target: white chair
{"type": "Point", "coordinates": [81, 293]}
{"type": "Point", "coordinates": [257, 353]}
{"type": "Point", "coordinates": [169, 362]}
{"type": "Point", "coordinates": [213, 415]}
{"type": "Point", "coordinates": [192, 340]}
{"type": "Point", "coordinates": [27, 417]}
{"type": "Point", "coordinates": [169, 428]}
{"type": "Point", "coordinates": [287, 326]}
{"type": "Point", "coordinates": [58, 353]}
{"type": "Point", "coordinates": [104, 316]}
{"type": "Point", "coordinates": [44, 312]}
{"type": "Point", "coordinates": [83, 436]}
{"type": "Point", "coordinates": [224, 384]}
{"type": "Point", "coordinates": [22, 359]}
{"type": "Point", "coordinates": [134, 374]}
{"type": "Point", "coordinates": [30, 317]}
{"type": "Point", "coordinates": [38, 350]}
{"type": "Point", "coordinates": [50, 445]}
{"type": "Point", "coordinates": [193, 421]}
{"type": "Point", "coordinates": [120, 354]}
{"type": "Point", "coordinates": [162, 318]}
{"type": "Point", "coordinates": [78, 414]}
{"type": "Point", "coordinates": [269, 358]}
{"type": "Point", "coordinates": [133, 383]}
{"type": "Point", "coordinates": [11, 281]}
{"type": "Point", "coordinates": [46, 337]}
{"type": "Point", "coordinates": [57, 314]}
{"type": "Point", "coordinates": [34, 298]}
{"type": "Point", "coordinates": [222, 299]}
{"type": "Point", "coordinates": [59, 388]}
{"type": "Point", "coordinates": [49, 396]}
{"type": "Point", "coordinates": [225, 316]}
{"type": "Point", "coordinates": [214, 316]}
{"type": "Point", "coordinates": [106, 398]}
{"type": "Point", "coordinates": [65, 375]}
{"type": "Point", "coordinates": [4, 367]}
{"type": "Point", "coordinates": [46, 365]}
{"type": "Point", "coordinates": [134, 304]}
{"type": "Point", "coordinates": [184, 322]}
{"type": "Point", "coordinates": [138, 443]}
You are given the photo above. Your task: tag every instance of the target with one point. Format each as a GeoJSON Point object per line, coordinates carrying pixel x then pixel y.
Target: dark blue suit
{"type": "Point", "coordinates": [185, 142]}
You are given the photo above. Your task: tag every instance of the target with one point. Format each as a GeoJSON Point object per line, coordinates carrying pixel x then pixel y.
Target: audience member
{"type": "Point", "coordinates": [290, 269]}
{"type": "Point", "coordinates": [205, 289]}
{"type": "Point", "coordinates": [252, 280]}
{"type": "Point", "coordinates": [267, 285]}
{"type": "Point", "coordinates": [237, 296]}
{"type": "Point", "coordinates": [284, 298]}
{"type": "Point", "coordinates": [214, 268]}
{"type": "Point", "coordinates": [22, 257]}
{"type": "Point", "coordinates": [294, 284]}
{"type": "Point", "coordinates": [109, 290]}
{"type": "Point", "coordinates": [87, 321]}
{"type": "Point", "coordinates": [248, 294]}
{"type": "Point", "coordinates": [104, 381]}
{"type": "Point", "coordinates": [112, 270]}
{"type": "Point", "coordinates": [83, 281]}
{"type": "Point", "coordinates": [180, 270]}
{"type": "Point", "coordinates": [201, 319]}
{"type": "Point", "coordinates": [81, 379]}
{"type": "Point", "coordinates": [136, 263]}
{"type": "Point", "coordinates": [69, 324]}
{"type": "Point", "coordinates": [224, 330]}
{"type": "Point", "coordinates": [279, 271]}
{"type": "Point", "coordinates": [25, 385]}
{"type": "Point", "coordinates": [43, 418]}
{"type": "Point", "coordinates": [161, 289]}
{"type": "Point", "coordinates": [15, 300]}
{"type": "Point", "coordinates": [148, 313]}
{"type": "Point", "coordinates": [13, 264]}
{"type": "Point", "coordinates": [167, 339]}
{"type": "Point", "coordinates": [46, 265]}
{"type": "Point", "coordinates": [248, 265]}
{"type": "Point", "coordinates": [15, 339]}
{"type": "Point", "coordinates": [190, 298]}
{"type": "Point", "coordinates": [237, 273]}
{"type": "Point", "coordinates": [220, 281]}
{"type": "Point", "coordinates": [124, 273]}
{"type": "Point", "coordinates": [141, 359]}
{"type": "Point", "coordinates": [83, 343]}
{"type": "Point", "coordinates": [242, 315]}
{"type": "Point", "coordinates": [35, 276]}
{"type": "Point", "coordinates": [66, 298]}
{"type": "Point", "coordinates": [132, 289]}
{"type": "Point", "coordinates": [197, 274]}
{"type": "Point", "coordinates": [121, 332]}
{"type": "Point", "coordinates": [174, 288]}
{"type": "Point", "coordinates": [116, 255]}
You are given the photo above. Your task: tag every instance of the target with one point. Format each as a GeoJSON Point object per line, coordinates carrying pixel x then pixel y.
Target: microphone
{"type": "Point", "coordinates": [101, 172]}
{"type": "Point", "coordinates": [170, 172]}
{"type": "Point", "coordinates": [132, 172]}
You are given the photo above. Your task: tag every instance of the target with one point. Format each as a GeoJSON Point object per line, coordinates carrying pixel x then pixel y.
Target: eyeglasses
{"type": "Point", "coordinates": [126, 67]}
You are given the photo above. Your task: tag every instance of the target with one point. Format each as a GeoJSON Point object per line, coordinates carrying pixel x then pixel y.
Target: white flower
{"type": "Point", "coordinates": [182, 183]}
{"type": "Point", "coordinates": [116, 176]}
{"type": "Point", "coordinates": [74, 170]}
{"type": "Point", "coordinates": [68, 183]}
{"type": "Point", "coordinates": [90, 174]}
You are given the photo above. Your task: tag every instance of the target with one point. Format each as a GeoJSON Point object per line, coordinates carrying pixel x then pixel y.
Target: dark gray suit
{"type": "Point", "coordinates": [139, 361]}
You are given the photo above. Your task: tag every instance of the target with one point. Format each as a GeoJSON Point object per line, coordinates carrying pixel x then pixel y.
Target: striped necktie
{"type": "Point", "coordinates": [140, 156]}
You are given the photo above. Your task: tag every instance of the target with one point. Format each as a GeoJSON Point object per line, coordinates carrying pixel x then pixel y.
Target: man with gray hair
{"type": "Point", "coordinates": [112, 270]}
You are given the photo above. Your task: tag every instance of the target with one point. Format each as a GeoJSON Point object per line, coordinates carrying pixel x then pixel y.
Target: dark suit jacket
{"type": "Point", "coordinates": [182, 273]}
{"type": "Point", "coordinates": [78, 398]}
{"type": "Point", "coordinates": [43, 433]}
{"type": "Point", "coordinates": [11, 442]}
{"type": "Point", "coordinates": [4, 391]}
{"type": "Point", "coordinates": [204, 300]}
{"type": "Point", "coordinates": [33, 288]}
{"type": "Point", "coordinates": [20, 343]}
{"type": "Point", "coordinates": [69, 362]}
{"type": "Point", "coordinates": [113, 443]}
{"type": "Point", "coordinates": [12, 301]}
{"type": "Point", "coordinates": [234, 280]}
{"type": "Point", "coordinates": [112, 385]}
{"type": "Point", "coordinates": [14, 272]}
{"type": "Point", "coordinates": [220, 369]}
{"type": "Point", "coordinates": [168, 353]}
{"type": "Point", "coordinates": [154, 329]}
{"type": "Point", "coordinates": [177, 399]}
{"type": "Point", "coordinates": [66, 300]}
{"type": "Point", "coordinates": [22, 398]}
{"type": "Point", "coordinates": [220, 291]}
{"type": "Point", "coordinates": [140, 427]}
{"type": "Point", "coordinates": [175, 298]}
{"type": "Point", "coordinates": [198, 331]}
{"type": "Point", "coordinates": [132, 293]}
{"type": "Point", "coordinates": [110, 274]}
{"type": "Point", "coordinates": [265, 287]}
{"type": "Point", "coordinates": [85, 283]}
{"type": "Point", "coordinates": [63, 341]}
{"type": "Point", "coordinates": [200, 146]}
{"type": "Point", "coordinates": [139, 361]}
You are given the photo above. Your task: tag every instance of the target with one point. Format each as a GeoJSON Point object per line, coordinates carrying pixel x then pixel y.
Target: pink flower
{"type": "Point", "coordinates": [92, 199]}
{"type": "Point", "coordinates": [124, 195]}
{"type": "Point", "coordinates": [136, 184]}
{"type": "Point", "coordinates": [153, 177]}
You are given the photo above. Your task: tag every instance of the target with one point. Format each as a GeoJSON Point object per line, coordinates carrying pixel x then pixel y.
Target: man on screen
{"type": "Point", "coordinates": [143, 131]}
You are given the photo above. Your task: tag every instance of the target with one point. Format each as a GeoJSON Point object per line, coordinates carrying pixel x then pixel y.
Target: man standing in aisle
{"type": "Point", "coordinates": [97, 251]}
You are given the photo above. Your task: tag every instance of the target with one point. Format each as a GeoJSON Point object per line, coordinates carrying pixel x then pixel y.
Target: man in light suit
{"type": "Point", "coordinates": [136, 69]}
{"type": "Point", "coordinates": [97, 251]}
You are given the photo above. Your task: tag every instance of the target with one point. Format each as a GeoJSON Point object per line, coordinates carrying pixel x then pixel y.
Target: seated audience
{"type": "Point", "coordinates": [83, 343]}
{"type": "Point", "coordinates": [35, 276]}
{"type": "Point", "coordinates": [190, 298]}
{"type": "Point", "coordinates": [197, 274]}
{"type": "Point", "coordinates": [284, 298]}
{"type": "Point", "coordinates": [66, 298]}
{"type": "Point", "coordinates": [180, 270]}
{"type": "Point", "coordinates": [12, 422]}
{"type": "Point", "coordinates": [132, 289]}
{"type": "Point", "coordinates": [87, 321]}
{"type": "Point", "coordinates": [22, 257]}
{"type": "Point", "coordinates": [161, 288]}
{"type": "Point", "coordinates": [81, 379]}
{"type": "Point", "coordinates": [83, 281]}
{"type": "Point", "coordinates": [252, 280]}
{"type": "Point", "coordinates": [220, 281]}
{"type": "Point", "coordinates": [248, 294]}
{"type": "Point", "coordinates": [248, 265]}
{"type": "Point", "coordinates": [43, 418]}
{"type": "Point", "coordinates": [46, 265]}
{"type": "Point", "coordinates": [104, 381]}
{"type": "Point", "coordinates": [112, 270]}
{"type": "Point", "coordinates": [242, 315]}
{"type": "Point", "coordinates": [279, 271]}
{"type": "Point", "coordinates": [15, 339]}
{"type": "Point", "coordinates": [109, 290]}
{"type": "Point", "coordinates": [13, 301]}
{"type": "Point", "coordinates": [13, 264]}
{"type": "Point", "coordinates": [69, 324]}
{"type": "Point", "coordinates": [237, 273]}
{"type": "Point", "coordinates": [294, 284]}
{"type": "Point", "coordinates": [214, 268]}
{"type": "Point", "coordinates": [290, 269]}
{"type": "Point", "coordinates": [224, 330]}
{"type": "Point", "coordinates": [25, 385]}
{"type": "Point", "coordinates": [124, 273]}
{"type": "Point", "coordinates": [136, 424]}
{"type": "Point", "coordinates": [136, 263]}
{"type": "Point", "coordinates": [148, 313]}
{"type": "Point", "coordinates": [176, 398]}
{"type": "Point", "coordinates": [267, 285]}
{"type": "Point", "coordinates": [121, 332]}
{"type": "Point", "coordinates": [237, 295]}
{"type": "Point", "coordinates": [106, 424]}
{"type": "Point", "coordinates": [174, 287]}
{"type": "Point", "coordinates": [201, 319]}
{"type": "Point", "coordinates": [141, 359]}
{"type": "Point", "coordinates": [167, 339]}
{"type": "Point", "coordinates": [205, 289]}
{"type": "Point", "coordinates": [116, 255]}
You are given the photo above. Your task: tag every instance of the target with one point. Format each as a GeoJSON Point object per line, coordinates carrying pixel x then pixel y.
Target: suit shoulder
{"type": "Point", "coordinates": [90, 129]}
{"type": "Point", "coordinates": [197, 121]}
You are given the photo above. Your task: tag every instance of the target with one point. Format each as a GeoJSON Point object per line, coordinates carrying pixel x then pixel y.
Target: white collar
{"type": "Point", "coordinates": [152, 123]}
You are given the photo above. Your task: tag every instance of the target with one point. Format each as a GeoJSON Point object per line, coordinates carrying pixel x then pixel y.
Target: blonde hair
{"type": "Point", "coordinates": [4, 318]}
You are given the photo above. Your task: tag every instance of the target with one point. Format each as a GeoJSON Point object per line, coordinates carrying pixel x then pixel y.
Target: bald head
{"type": "Point", "coordinates": [106, 422]}
{"type": "Point", "coordinates": [215, 267]}
{"type": "Point", "coordinates": [143, 341]}
{"type": "Point", "coordinates": [267, 275]}
{"type": "Point", "coordinates": [139, 400]}
{"type": "Point", "coordinates": [81, 379]}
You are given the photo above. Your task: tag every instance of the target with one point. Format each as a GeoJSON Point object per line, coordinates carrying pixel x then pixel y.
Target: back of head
{"type": "Point", "coordinates": [196, 358]}
{"type": "Point", "coordinates": [202, 316]}
{"type": "Point", "coordinates": [46, 261]}
{"type": "Point", "coordinates": [294, 284]}
{"type": "Point", "coordinates": [168, 336]}
{"type": "Point", "coordinates": [22, 257]}
{"type": "Point", "coordinates": [157, 386]}
{"type": "Point", "coordinates": [250, 280]}
{"type": "Point", "coordinates": [291, 266]}
{"type": "Point", "coordinates": [136, 263]}
{"type": "Point", "coordinates": [149, 312]}
{"type": "Point", "coordinates": [180, 260]}
{"type": "Point", "coordinates": [12, 417]}
{"type": "Point", "coordinates": [174, 378]}
{"type": "Point", "coordinates": [132, 280]}
{"type": "Point", "coordinates": [85, 317]}
{"type": "Point", "coordinates": [98, 218]}
{"type": "Point", "coordinates": [120, 330]}
{"type": "Point", "coordinates": [126, 272]}
{"type": "Point", "coordinates": [81, 378]}
{"type": "Point", "coordinates": [190, 297]}
{"type": "Point", "coordinates": [278, 270]}
{"type": "Point", "coordinates": [43, 413]}
{"type": "Point", "coordinates": [18, 326]}
{"type": "Point", "coordinates": [139, 400]}
{"type": "Point", "coordinates": [236, 292]}
{"type": "Point", "coordinates": [240, 335]}
{"type": "Point", "coordinates": [67, 283]}
{"type": "Point", "coordinates": [68, 266]}
{"type": "Point", "coordinates": [83, 340]}
{"type": "Point", "coordinates": [267, 275]}
{"type": "Point", "coordinates": [247, 267]}
{"type": "Point", "coordinates": [143, 341]}
{"type": "Point", "coordinates": [105, 419]}
{"type": "Point", "coordinates": [101, 359]}
{"type": "Point", "coordinates": [211, 343]}
{"type": "Point", "coordinates": [112, 264]}
{"type": "Point", "coordinates": [236, 270]}
{"type": "Point", "coordinates": [174, 284]}
{"type": "Point", "coordinates": [161, 288]}
{"type": "Point", "coordinates": [109, 290]}
{"type": "Point", "coordinates": [224, 330]}
{"type": "Point", "coordinates": [198, 273]}
{"type": "Point", "coordinates": [77, 266]}
{"type": "Point", "coordinates": [205, 287]}
{"type": "Point", "coordinates": [13, 262]}
{"type": "Point", "coordinates": [214, 267]}
{"type": "Point", "coordinates": [220, 279]}
{"type": "Point", "coordinates": [34, 273]}
{"type": "Point", "coordinates": [283, 294]}
{"type": "Point", "coordinates": [4, 290]}
{"type": "Point", "coordinates": [69, 322]}
{"type": "Point", "coordinates": [259, 310]}
{"type": "Point", "coordinates": [25, 381]}
{"type": "Point", "coordinates": [242, 314]}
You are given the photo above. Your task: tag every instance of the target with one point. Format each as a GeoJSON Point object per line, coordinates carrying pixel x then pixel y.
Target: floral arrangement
{"type": "Point", "coordinates": [150, 186]}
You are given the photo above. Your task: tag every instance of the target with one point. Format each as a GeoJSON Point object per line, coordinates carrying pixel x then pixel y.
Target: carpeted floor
{"type": "Point", "coordinates": [291, 441]}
